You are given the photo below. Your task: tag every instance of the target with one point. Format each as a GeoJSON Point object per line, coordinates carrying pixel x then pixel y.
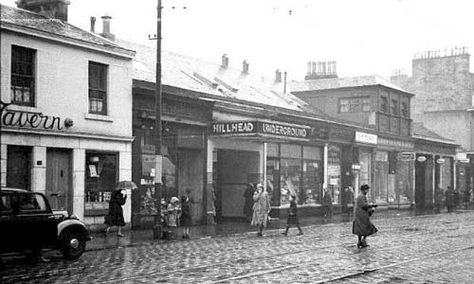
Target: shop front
{"type": "Point", "coordinates": [434, 168]}
{"type": "Point", "coordinates": [183, 139]}
{"type": "Point", "coordinates": [364, 152]}
{"type": "Point", "coordinates": [394, 172]}
{"type": "Point", "coordinates": [274, 153]}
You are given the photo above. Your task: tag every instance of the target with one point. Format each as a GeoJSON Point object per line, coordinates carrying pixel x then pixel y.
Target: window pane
{"type": "Point", "coordinates": [311, 153]}
{"type": "Point", "coordinates": [272, 150]}
{"type": "Point", "coordinates": [97, 88]}
{"type": "Point", "coordinates": [344, 105]}
{"type": "Point", "coordinates": [366, 104]}
{"type": "Point", "coordinates": [22, 75]}
{"type": "Point", "coordinates": [290, 151]}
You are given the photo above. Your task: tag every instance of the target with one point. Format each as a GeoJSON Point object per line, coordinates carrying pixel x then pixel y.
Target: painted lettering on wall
{"type": "Point", "coordinates": [30, 119]}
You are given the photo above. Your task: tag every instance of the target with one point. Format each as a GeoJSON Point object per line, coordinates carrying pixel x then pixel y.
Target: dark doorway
{"type": "Point", "coordinates": [19, 167]}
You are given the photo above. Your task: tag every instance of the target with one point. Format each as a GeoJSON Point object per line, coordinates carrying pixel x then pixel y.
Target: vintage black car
{"type": "Point", "coordinates": [27, 223]}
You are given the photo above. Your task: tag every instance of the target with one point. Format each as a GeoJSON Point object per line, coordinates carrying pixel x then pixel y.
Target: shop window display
{"type": "Point", "coordinates": [101, 177]}
{"type": "Point", "coordinates": [294, 170]}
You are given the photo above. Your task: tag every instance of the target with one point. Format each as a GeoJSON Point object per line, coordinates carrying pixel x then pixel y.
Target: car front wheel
{"type": "Point", "coordinates": [73, 245]}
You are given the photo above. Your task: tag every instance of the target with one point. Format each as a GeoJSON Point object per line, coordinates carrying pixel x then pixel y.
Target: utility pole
{"type": "Point", "coordinates": [157, 229]}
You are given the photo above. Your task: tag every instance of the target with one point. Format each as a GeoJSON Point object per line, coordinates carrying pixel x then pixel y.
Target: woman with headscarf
{"type": "Point", "coordinates": [261, 209]}
{"type": "Point", "coordinates": [362, 227]}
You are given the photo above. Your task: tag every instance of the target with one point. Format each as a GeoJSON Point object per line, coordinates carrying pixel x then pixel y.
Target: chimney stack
{"type": "Point", "coordinates": [245, 67]}
{"type": "Point", "coordinates": [225, 61]}
{"type": "Point", "coordinates": [321, 70]}
{"type": "Point", "coordinates": [54, 9]}
{"type": "Point", "coordinates": [106, 28]}
{"type": "Point", "coordinates": [93, 24]}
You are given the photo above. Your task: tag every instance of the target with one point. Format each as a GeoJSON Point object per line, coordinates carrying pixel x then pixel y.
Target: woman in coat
{"type": "Point", "coordinates": [362, 227]}
{"type": "Point", "coordinates": [248, 201]}
{"type": "Point", "coordinates": [115, 215]}
{"type": "Point", "coordinates": [261, 209]}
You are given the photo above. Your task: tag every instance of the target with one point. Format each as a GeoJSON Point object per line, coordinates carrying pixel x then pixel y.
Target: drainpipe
{"type": "Point", "coordinates": [325, 166]}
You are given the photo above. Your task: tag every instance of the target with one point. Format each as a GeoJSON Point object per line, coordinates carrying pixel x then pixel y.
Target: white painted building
{"type": "Point", "coordinates": [66, 110]}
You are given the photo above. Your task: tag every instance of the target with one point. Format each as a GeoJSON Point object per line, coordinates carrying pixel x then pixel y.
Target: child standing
{"type": "Point", "coordinates": [293, 216]}
{"type": "Point", "coordinates": [185, 219]}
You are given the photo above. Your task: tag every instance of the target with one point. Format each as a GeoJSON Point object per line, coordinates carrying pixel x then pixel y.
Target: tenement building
{"type": "Point", "coordinates": [66, 120]}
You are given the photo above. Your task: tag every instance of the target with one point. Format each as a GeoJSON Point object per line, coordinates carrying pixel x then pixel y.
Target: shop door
{"type": "Point", "coordinates": [18, 167]}
{"type": "Point", "coordinates": [58, 179]}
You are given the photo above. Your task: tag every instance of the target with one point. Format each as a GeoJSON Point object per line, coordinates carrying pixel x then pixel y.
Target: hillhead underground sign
{"type": "Point", "coordinates": [260, 127]}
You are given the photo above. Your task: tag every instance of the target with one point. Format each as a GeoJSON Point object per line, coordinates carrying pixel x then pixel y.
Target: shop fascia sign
{"type": "Point", "coordinates": [406, 156]}
{"type": "Point", "coordinates": [32, 120]}
{"type": "Point", "coordinates": [462, 158]}
{"type": "Point", "coordinates": [252, 127]}
{"type": "Point", "coordinates": [367, 138]}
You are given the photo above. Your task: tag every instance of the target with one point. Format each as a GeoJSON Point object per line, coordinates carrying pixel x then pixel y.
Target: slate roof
{"type": "Point", "coordinates": [27, 21]}
{"type": "Point", "coordinates": [345, 82]}
{"type": "Point", "coordinates": [202, 76]}
{"type": "Point", "coordinates": [420, 131]}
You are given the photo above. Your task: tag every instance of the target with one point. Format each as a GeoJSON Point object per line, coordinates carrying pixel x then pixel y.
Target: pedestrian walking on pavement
{"type": "Point", "coordinates": [115, 215]}
{"type": "Point", "coordinates": [248, 201]}
{"type": "Point", "coordinates": [292, 216]}
{"type": "Point", "coordinates": [261, 209]}
{"type": "Point", "coordinates": [327, 203]}
{"type": "Point", "coordinates": [362, 227]}
{"type": "Point", "coordinates": [450, 199]}
{"type": "Point", "coordinates": [467, 198]}
{"type": "Point", "coordinates": [185, 219]}
{"type": "Point", "coordinates": [173, 211]}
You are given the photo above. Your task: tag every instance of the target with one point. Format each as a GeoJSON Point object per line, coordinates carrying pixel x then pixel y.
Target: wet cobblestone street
{"type": "Point", "coordinates": [422, 249]}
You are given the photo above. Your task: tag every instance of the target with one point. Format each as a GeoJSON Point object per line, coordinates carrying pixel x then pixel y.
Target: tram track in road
{"type": "Point", "coordinates": [248, 244]}
{"type": "Point", "coordinates": [273, 256]}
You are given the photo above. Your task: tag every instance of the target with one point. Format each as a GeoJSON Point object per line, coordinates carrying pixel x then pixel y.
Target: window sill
{"type": "Point", "coordinates": [22, 108]}
{"type": "Point", "coordinates": [98, 117]}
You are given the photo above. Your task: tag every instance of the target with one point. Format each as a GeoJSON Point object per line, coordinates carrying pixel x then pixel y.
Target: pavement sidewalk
{"type": "Point", "coordinates": [141, 237]}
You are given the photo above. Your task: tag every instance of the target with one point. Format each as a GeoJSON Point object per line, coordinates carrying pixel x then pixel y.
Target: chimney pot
{"type": "Point", "coordinates": [245, 67]}
{"type": "Point", "coordinates": [278, 76]}
{"type": "Point", "coordinates": [225, 61]}
{"type": "Point", "coordinates": [106, 28]}
{"type": "Point", "coordinates": [93, 24]}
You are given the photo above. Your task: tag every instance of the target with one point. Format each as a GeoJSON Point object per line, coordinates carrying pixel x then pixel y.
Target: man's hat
{"type": "Point", "coordinates": [364, 187]}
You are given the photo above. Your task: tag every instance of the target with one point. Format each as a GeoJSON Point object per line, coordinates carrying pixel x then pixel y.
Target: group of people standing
{"type": "Point", "coordinates": [452, 198]}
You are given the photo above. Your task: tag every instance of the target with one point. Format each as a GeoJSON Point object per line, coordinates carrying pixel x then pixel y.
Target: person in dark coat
{"type": "Point", "coordinates": [293, 216]}
{"type": "Point", "coordinates": [438, 198]}
{"type": "Point", "coordinates": [115, 215]}
{"type": "Point", "coordinates": [362, 227]}
{"type": "Point", "coordinates": [185, 219]}
{"type": "Point", "coordinates": [450, 199]}
{"type": "Point", "coordinates": [327, 203]}
{"type": "Point", "coordinates": [248, 201]}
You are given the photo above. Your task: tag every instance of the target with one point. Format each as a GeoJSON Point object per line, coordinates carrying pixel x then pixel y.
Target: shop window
{"type": "Point", "coordinates": [97, 88]}
{"type": "Point", "coordinates": [311, 185]}
{"type": "Point", "coordinates": [101, 178]}
{"type": "Point", "coordinates": [311, 153]}
{"type": "Point", "coordinates": [290, 178]}
{"type": "Point", "coordinates": [23, 76]}
{"type": "Point", "coordinates": [290, 151]}
{"type": "Point", "coordinates": [272, 150]}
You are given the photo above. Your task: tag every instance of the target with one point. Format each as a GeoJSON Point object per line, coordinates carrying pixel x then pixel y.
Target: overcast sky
{"type": "Point", "coordinates": [365, 37]}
